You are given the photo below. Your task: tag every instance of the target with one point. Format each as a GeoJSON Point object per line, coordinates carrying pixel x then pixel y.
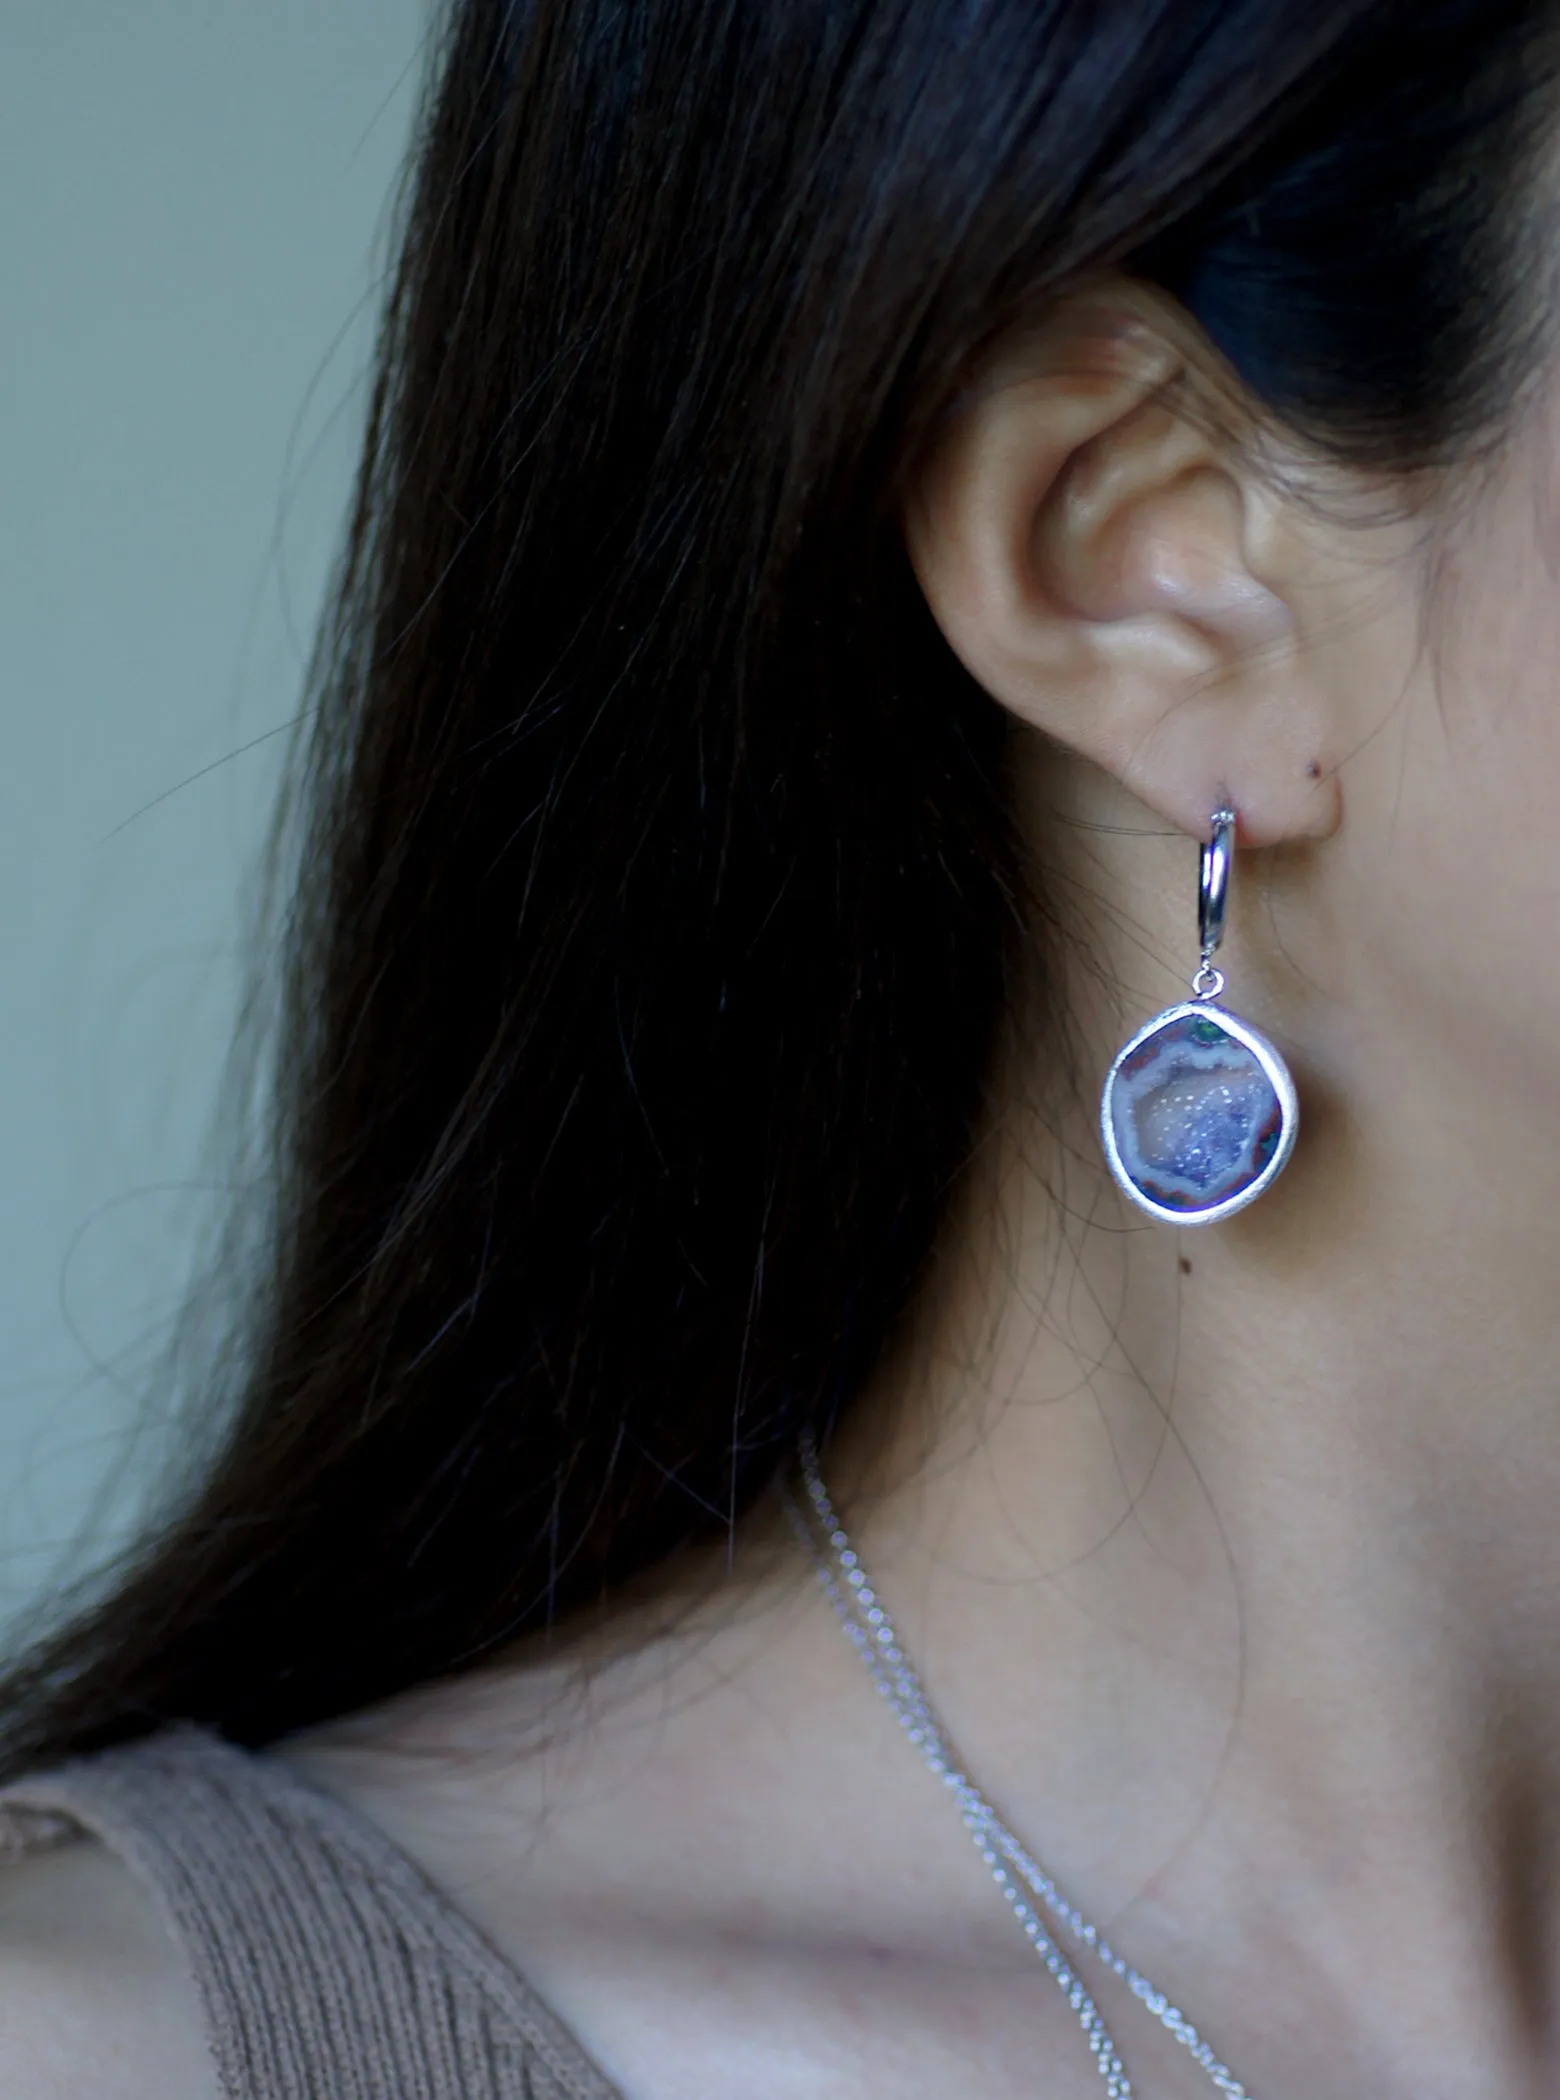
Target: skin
{"type": "Point", "coordinates": [1229, 1556]}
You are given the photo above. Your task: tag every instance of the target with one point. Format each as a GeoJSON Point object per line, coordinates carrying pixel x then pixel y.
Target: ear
{"type": "Point", "coordinates": [1111, 572]}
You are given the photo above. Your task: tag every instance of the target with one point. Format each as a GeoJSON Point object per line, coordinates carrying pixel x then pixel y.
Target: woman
{"type": "Point", "coordinates": [856, 489]}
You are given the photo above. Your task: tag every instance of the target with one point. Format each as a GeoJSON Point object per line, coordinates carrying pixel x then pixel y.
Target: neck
{"type": "Point", "coordinates": [1230, 1556]}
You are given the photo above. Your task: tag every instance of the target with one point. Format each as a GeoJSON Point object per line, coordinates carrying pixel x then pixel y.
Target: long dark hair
{"type": "Point", "coordinates": [657, 901]}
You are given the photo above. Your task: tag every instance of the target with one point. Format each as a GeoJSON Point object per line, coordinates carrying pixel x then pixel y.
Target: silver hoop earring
{"type": "Point", "coordinates": [1199, 1114]}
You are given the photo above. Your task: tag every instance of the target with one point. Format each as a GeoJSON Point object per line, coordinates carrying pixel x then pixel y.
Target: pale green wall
{"type": "Point", "coordinates": [190, 192]}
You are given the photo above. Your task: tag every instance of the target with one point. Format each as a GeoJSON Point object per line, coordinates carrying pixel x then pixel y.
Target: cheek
{"type": "Point", "coordinates": [1458, 883]}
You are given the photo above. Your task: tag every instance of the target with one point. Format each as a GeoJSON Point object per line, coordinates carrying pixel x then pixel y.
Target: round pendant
{"type": "Point", "coordinates": [1199, 1115]}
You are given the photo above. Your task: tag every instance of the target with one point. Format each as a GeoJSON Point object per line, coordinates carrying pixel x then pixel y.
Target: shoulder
{"type": "Point", "coordinates": [94, 2000]}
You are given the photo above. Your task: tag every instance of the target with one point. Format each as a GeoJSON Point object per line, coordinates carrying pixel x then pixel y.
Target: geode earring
{"type": "Point", "coordinates": [1199, 1114]}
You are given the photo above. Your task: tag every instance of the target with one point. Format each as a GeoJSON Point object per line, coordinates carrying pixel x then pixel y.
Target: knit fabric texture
{"type": "Point", "coordinates": [328, 1966]}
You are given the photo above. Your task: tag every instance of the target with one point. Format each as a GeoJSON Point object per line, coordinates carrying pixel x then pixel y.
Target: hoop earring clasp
{"type": "Point", "coordinates": [1212, 902]}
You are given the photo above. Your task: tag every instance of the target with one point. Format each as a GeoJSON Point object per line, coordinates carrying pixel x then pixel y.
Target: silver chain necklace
{"type": "Point", "coordinates": [1019, 1877]}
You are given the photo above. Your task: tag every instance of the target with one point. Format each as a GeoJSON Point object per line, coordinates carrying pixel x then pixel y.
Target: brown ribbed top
{"type": "Point", "coordinates": [329, 1967]}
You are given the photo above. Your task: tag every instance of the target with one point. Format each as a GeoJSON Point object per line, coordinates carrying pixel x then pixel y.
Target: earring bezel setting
{"type": "Point", "coordinates": [1275, 1071]}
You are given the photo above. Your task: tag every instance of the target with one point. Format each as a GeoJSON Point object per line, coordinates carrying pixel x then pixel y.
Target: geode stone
{"type": "Point", "coordinates": [1195, 1116]}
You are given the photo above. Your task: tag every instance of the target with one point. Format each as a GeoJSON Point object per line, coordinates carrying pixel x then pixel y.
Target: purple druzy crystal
{"type": "Point", "coordinates": [1194, 1114]}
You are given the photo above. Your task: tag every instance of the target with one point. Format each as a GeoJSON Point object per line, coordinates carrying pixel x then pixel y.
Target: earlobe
{"type": "Point", "coordinates": [1110, 575]}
